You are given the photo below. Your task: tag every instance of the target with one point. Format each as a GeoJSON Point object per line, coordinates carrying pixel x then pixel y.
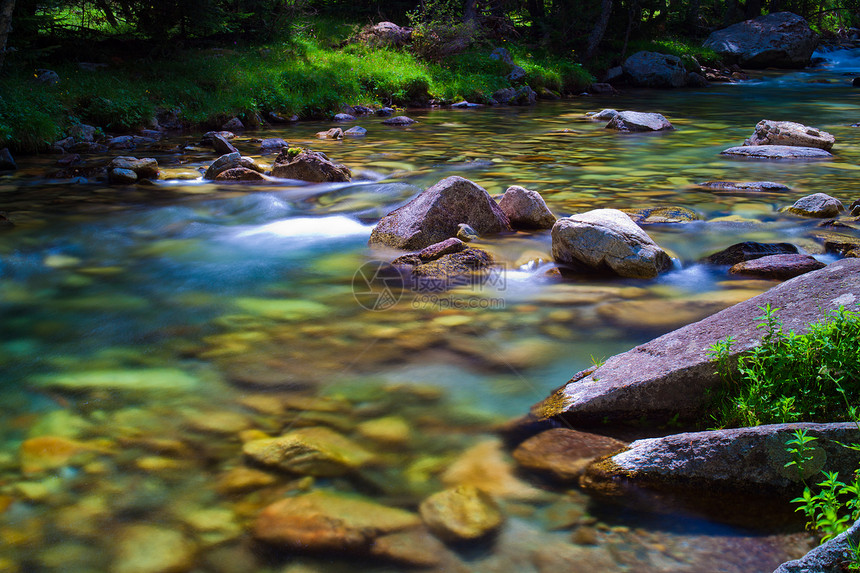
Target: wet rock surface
{"type": "Point", "coordinates": [781, 39]}
{"type": "Point", "coordinates": [744, 186]}
{"type": "Point", "coordinates": [748, 251]}
{"type": "Point", "coordinates": [777, 152]}
{"type": "Point", "coordinates": [819, 205]}
{"type": "Point", "coordinates": [768, 132]}
{"type": "Point", "coordinates": [564, 453]}
{"type": "Point", "coordinates": [315, 451]}
{"type": "Point", "coordinates": [655, 70]}
{"type": "Point", "coordinates": [311, 166]}
{"type": "Point", "coordinates": [526, 209]}
{"type": "Point", "coordinates": [780, 267]}
{"type": "Point", "coordinates": [831, 557]}
{"type": "Point", "coordinates": [635, 121]}
{"type": "Point", "coordinates": [461, 513]}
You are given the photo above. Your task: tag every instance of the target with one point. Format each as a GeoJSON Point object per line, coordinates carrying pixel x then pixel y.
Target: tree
{"type": "Point", "coordinates": [599, 29]}
{"type": "Point", "coordinates": [6, 8]}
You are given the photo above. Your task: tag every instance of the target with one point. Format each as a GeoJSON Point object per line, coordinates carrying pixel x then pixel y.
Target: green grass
{"type": "Point", "coordinates": [811, 377]}
{"type": "Point", "coordinates": [303, 76]}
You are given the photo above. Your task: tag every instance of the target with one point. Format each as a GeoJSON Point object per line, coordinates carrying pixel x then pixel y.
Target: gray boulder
{"type": "Point", "coordinates": [47, 77]}
{"type": "Point", "coordinates": [7, 163]}
{"type": "Point", "coordinates": [831, 557]}
{"type": "Point", "coordinates": [435, 215]}
{"type": "Point", "coordinates": [748, 251]}
{"type": "Point", "coordinates": [655, 70]}
{"type": "Point", "coordinates": [672, 375]}
{"type": "Point", "coordinates": [607, 240]}
{"type": "Point", "coordinates": [779, 267]}
{"type": "Point", "coordinates": [602, 115]}
{"type": "Point", "coordinates": [781, 40]}
{"type": "Point", "coordinates": [121, 169]}
{"type": "Point", "coordinates": [234, 124]}
{"type": "Point", "coordinates": [272, 145]}
{"type": "Point", "coordinates": [120, 176]}
{"type": "Point", "coordinates": [742, 459]}
{"type": "Point", "coordinates": [355, 132]}
{"type": "Point", "coordinates": [399, 120]}
{"type": "Point", "coordinates": [385, 34]}
{"type": "Point", "coordinates": [517, 73]}
{"type": "Point", "coordinates": [504, 95]}
{"type": "Point", "coordinates": [230, 161]}
{"type": "Point", "coordinates": [769, 132]}
{"type": "Point", "coordinates": [744, 186]}
{"type": "Point", "coordinates": [633, 121]}
{"type": "Point", "coordinates": [82, 132]}
{"type": "Point", "coordinates": [129, 141]}
{"type": "Point", "coordinates": [344, 117]}
{"type": "Point", "coordinates": [523, 96]}
{"type": "Point", "coordinates": [221, 145]}
{"type": "Point", "coordinates": [307, 165]}
{"type": "Point", "coordinates": [777, 152]}
{"type": "Point", "coordinates": [526, 209]}
{"type": "Point", "coordinates": [819, 205]}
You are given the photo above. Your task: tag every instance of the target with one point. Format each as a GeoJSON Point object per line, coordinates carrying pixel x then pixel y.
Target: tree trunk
{"type": "Point", "coordinates": [693, 16]}
{"type": "Point", "coordinates": [6, 8]}
{"type": "Point", "coordinates": [599, 29]}
{"type": "Point", "coordinates": [470, 11]}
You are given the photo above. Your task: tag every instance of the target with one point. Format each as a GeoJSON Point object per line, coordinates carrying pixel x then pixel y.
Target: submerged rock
{"type": "Point", "coordinates": [769, 132]}
{"type": "Point", "coordinates": [486, 466]}
{"type": "Point", "coordinates": [780, 39]}
{"type": "Point", "coordinates": [607, 240]}
{"type": "Point", "coordinates": [526, 209]}
{"type": "Point", "coordinates": [658, 215]}
{"type": "Point", "coordinates": [328, 521]}
{"type": "Point", "coordinates": [655, 70]}
{"type": "Point", "coordinates": [398, 120]}
{"type": "Point", "coordinates": [564, 453]}
{"type": "Point", "coordinates": [634, 121]}
{"type": "Point", "coordinates": [316, 451]}
{"type": "Point", "coordinates": [435, 215]}
{"type": "Point", "coordinates": [671, 376]}
{"type": "Point", "coordinates": [780, 267]}
{"type": "Point", "coordinates": [602, 115]}
{"type": "Point", "coordinates": [307, 165]}
{"type": "Point", "coordinates": [744, 186]}
{"type": "Point", "coordinates": [461, 513]}
{"type": "Point", "coordinates": [748, 251]}
{"type": "Point", "coordinates": [819, 205]}
{"type": "Point", "coordinates": [152, 549]}
{"type": "Point", "coordinates": [167, 380]}
{"type": "Point", "coordinates": [777, 152]}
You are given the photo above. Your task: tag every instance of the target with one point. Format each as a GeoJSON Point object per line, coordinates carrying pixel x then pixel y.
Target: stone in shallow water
{"type": "Point", "coordinates": [49, 452]}
{"type": "Point", "coordinates": [780, 267]}
{"type": "Point", "coordinates": [744, 186]}
{"type": "Point", "coordinates": [151, 549]}
{"type": "Point", "coordinates": [777, 152]}
{"type": "Point", "coordinates": [768, 132]}
{"type": "Point", "coordinates": [749, 250]}
{"type": "Point", "coordinates": [415, 547]}
{"type": "Point", "coordinates": [167, 380]}
{"type": "Point", "coordinates": [526, 209]}
{"type": "Point", "coordinates": [282, 309]}
{"type": "Point", "coordinates": [564, 453]}
{"type": "Point", "coordinates": [485, 466]}
{"type": "Point", "coordinates": [656, 215]}
{"type": "Point", "coordinates": [460, 513]}
{"type": "Point", "coordinates": [391, 430]}
{"type": "Point", "coordinates": [819, 205]}
{"type": "Point", "coordinates": [633, 121]}
{"type": "Point", "coordinates": [241, 479]}
{"type": "Point", "coordinates": [309, 451]}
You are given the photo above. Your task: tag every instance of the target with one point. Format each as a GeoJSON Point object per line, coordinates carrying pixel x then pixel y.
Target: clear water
{"type": "Point", "coordinates": [229, 312]}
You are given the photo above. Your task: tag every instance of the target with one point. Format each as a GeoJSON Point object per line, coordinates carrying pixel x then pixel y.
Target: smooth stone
{"type": "Point", "coordinates": [779, 39]}
{"type": "Point", "coordinates": [48, 452]}
{"type": "Point", "coordinates": [833, 556]}
{"type": "Point", "coordinates": [780, 267]}
{"type": "Point", "coordinates": [221, 422]}
{"type": "Point", "coordinates": [399, 120]}
{"type": "Point", "coordinates": [156, 380]}
{"type": "Point", "coordinates": [671, 376]}
{"type": "Point", "coordinates": [240, 174]}
{"type": "Point", "coordinates": [659, 215]}
{"type": "Point", "coordinates": [834, 242]}
{"type": "Point", "coordinates": [819, 205]}
{"type": "Point", "coordinates": [461, 513]}
{"type": "Point", "coordinates": [602, 115]}
{"type": "Point", "coordinates": [122, 176]}
{"type": "Point", "coordinates": [744, 186]}
{"type": "Point", "coordinates": [223, 163]}
{"type": "Point", "coordinates": [344, 117]}
{"type": "Point", "coordinates": [315, 451]}
{"type": "Point", "coordinates": [145, 168]}
{"type": "Point", "coordinates": [468, 266]}
{"type": "Point", "coordinates": [565, 557]}
{"type": "Point", "coordinates": [328, 521]}
{"type": "Point", "coordinates": [655, 70]}
{"type": "Point", "coordinates": [152, 549]}
{"type": "Point", "coordinates": [485, 466]}
{"type": "Point", "coordinates": [526, 209]}
{"type": "Point", "coordinates": [768, 132]}
{"type": "Point", "coordinates": [311, 166]}
{"type": "Point", "coordinates": [607, 240]}
{"type": "Point", "coordinates": [243, 480]}
{"type": "Point", "coordinates": [777, 152]}
{"type": "Point", "coordinates": [466, 233]}
{"type": "Point", "coordinates": [635, 121]}
{"type": "Point", "coordinates": [333, 133]}
{"type": "Point", "coordinates": [355, 132]}
{"type": "Point", "coordinates": [221, 145]}
{"type": "Point", "coordinates": [440, 249]}
{"type": "Point", "coordinates": [564, 453]}
{"type": "Point", "coordinates": [415, 547]}
{"type": "Point", "coordinates": [390, 430]}
{"type": "Point", "coordinates": [272, 145]}
{"type": "Point", "coordinates": [749, 250]}
{"type": "Point", "coordinates": [282, 309]}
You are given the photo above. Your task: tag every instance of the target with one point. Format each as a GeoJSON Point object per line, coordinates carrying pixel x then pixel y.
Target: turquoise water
{"type": "Point", "coordinates": [148, 332]}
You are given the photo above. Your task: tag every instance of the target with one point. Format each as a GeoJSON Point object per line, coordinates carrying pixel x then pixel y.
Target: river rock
{"type": "Point", "coordinates": [82, 132]}
{"type": "Point", "coordinates": [234, 124]}
{"type": "Point", "coordinates": [415, 547]}
{"type": "Point", "coordinates": [344, 117]}
{"type": "Point", "coordinates": [777, 152]}
{"type": "Point", "coordinates": [466, 233]}
{"type": "Point", "coordinates": [385, 34]}
{"type": "Point", "coordinates": [461, 513]}
{"type": "Point", "coordinates": [487, 467]}
{"type": "Point", "coordinates": [660, 215]}
{"type": "Point", "coordinates": [831, 557]}
{"type": "Point", "coordinates": [819, 205]}
{"type": "Point", "coordinates": [602, 115]}
{"type": "Point", "coordinates": [146, 168]}
{"type": "Point", "coordinates": [468, 266]}
{"type": "Point", "coordinates": [315, 451]}
{"type": "Point", "coordinates": [526, 209]}
{"type": "Point", "coordinates": [834, 242]}
{"type": "Point", "coordinates": [133, 380]}
{"type": "Point", "coordinates": [230, 161]}
{"type": "Point", "coordinates": [48, 453]}
{"type": "Point", "coordinates": [6, 161]}
{"type": "Point", "coordinates": [672, 375]}
{"type": "Point", "coordinates": [524, 95]}
{"type": "Point", "coordinates": [209, 136]}
{"type": "Point", "coordinates": [435, 215]}
{"type": "Point", "coordinates": [119, 176]}
{"type": "Point", "coordinates": [307, 165]}
{"type": "Point", "coordinates": [128, 142]}
{"type": "Point", "coordinates": [749, 250]}
{"type": "Point", "coordinates": [607, 240]}
{"type": "Point", "coordinates": [398, 120]}
{"type": "Point", "coordinates": [780, 267]}
{"type": "Point", "coordinates": [328, 521]}
{"type": "Point", "coordinates": [152, 549]}
{"type": "Point", "coordinates": [564, 453]}
{"type": "Point", "coordinates": [635, 121]}
{"type": "Point", "coordinates": [781, 39]}
{"type": "Point", "coordinates": [355, 132]}
{"type": "Point", "coordinates": [744, 186]}
{"type": "Point", "coordinates": [854, 209]}
{"type": "Point", "coordinates": [742, 459]}
{"type": "Point", "coordinates": [504, 95]}
{"type": "Point", "coordinates": [221, 145]}
{"type": "Point", "coordinates": [655, 70]}
{"type": "Point", "coordinates": [272, 145]}
{"type": "Point", "coordinates": [240, 174]}
{"type": "Point", "coordinates": [333, 133]}
{"type": "Point", "coordinates": [768, 132]}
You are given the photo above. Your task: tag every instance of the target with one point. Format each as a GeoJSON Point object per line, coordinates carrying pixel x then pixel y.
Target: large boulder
{"type": "Point", "coordinates": [768, 132]}
{"type": "Point", "coordinates": [819, 205]}
{"type": "Point", "coordinates": [777, 152]}
{"type": "Point", "coordinates": [672, 375]}
{"type": "Point", "coordinates": [781, 39]}
{"type": "Point", "coordinates": [607, 240]}
{"type": "Point", "coordinates": [435, 215]}
{"type": "Point", "coordinates": [655, 70]}
{"type": "Point", "coordinates": [307, 165]}
{"type": "Point", "coordinates": [831, 557]}
{"type": "Point", "coordinates": [742, 459]}
{"type": "Point", "coordinates": [628, 121]}
{"type": "Point", "coordinates": [526, 209]}
{"type": "Point", "coordinates": [385, 34]}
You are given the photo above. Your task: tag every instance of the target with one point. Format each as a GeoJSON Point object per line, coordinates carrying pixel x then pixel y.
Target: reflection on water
{"type": "Point", "coordinates": [148, 332]}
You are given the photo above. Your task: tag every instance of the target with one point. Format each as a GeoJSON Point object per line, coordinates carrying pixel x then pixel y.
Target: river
{"type": "Point", "coordinates": [147, 332]}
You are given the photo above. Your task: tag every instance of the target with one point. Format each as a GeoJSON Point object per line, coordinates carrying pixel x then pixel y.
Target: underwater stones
{"type": "Point", "coordinates": [287, 309]}
{"type": "Point", "coordinates": [526, 209]}
{"type": "Point", "coordinates": [468, 265]}
{"type": "Point", "coordinates": [777, 152]}
{"type": "Point", "coordinates": [768, 132]}
{"type": "Point", "coordinates": [399, 120]}
{"type": "Point", "coordinates": [315, 451]}
{"type": "Point", "coordinates": [635, 121]}
{"type": "Point", "coordinates": [744, 186]}
{"type": "Point", "coordinates": [658, 215]}
{"type": "Point", "coordinates": [564, 453]}
{"type": "Point", "coordinates": [780, 39]}
{"type": "Point", "coordinates": [461, 513]}
{"type": "Point", "coordinates": [415, 547]}
{"type": "Point", "coordinates": [141, 380]}
{"type": "Point", "coordinates": [834, 242]}
{"type": "Point", "coordinates": [307, 165]}
{"type": "Point", "coordinates": [749, 250]}
{"type": "Point", "coordinates": [607, 240]}
{"type": "Point", "coordinates": [390, 430]}
{"type": "Point", "coordinates": [780, 267]}
{"type": "Point", "coordinates": [124, 170]}
{"type": "Point", "coordinates": [671, 375]}
{"type": "Point", "coordinates": [655, 70]}
{"type": "Point", "coordinates": [466, 233]}
{"type": "Point", "coordinates": [242, 480]}
{"type": "Point", "coordinates": [152, 549]}
{"type": "Point", "coordinates": [328, 521]}
{"type": "Point", "coordinates": [48, 453]}
{"type": "Point", "coordinates": [436, 214]}
{"type": "Point", "coordinates": [665, 314]}
{"type": "Point", "coordinates": [486, 466]}
{"type": "Point", "coordinates": [819, 205]}
{"type": "Point", "coordinates": [743, 459]}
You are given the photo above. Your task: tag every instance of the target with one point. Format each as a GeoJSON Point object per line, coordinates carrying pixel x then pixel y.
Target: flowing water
{"type": "Point", "coordinates": [148, 332]}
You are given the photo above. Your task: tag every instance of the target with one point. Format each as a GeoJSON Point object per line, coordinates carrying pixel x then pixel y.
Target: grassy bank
{"type": "Point", "coordinates": [303, 76]}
